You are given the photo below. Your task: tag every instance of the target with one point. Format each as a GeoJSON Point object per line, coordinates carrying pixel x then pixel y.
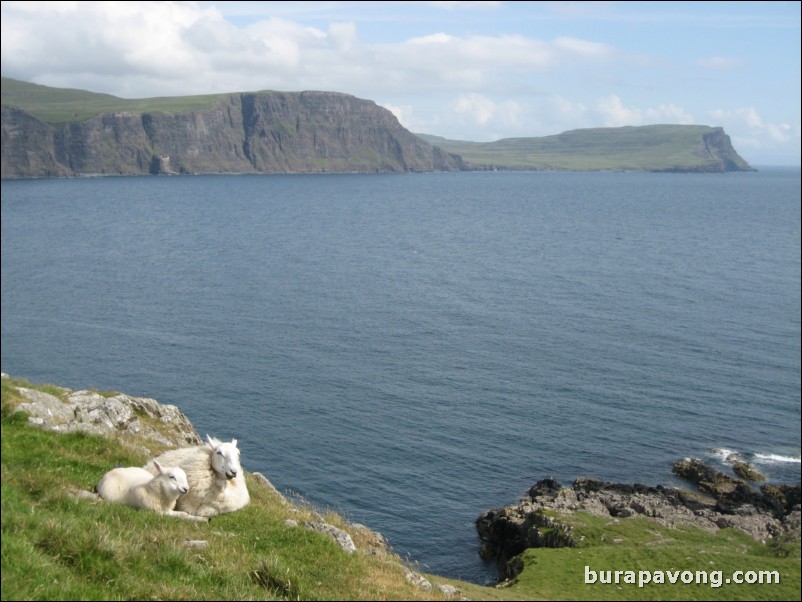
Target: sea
{"type": "Point", "coordinates": [412, 350]}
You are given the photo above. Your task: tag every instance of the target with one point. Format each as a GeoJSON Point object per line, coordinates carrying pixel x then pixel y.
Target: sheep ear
{"type": "Point", "coordinates": [158, 467]}
{"type": "Point", "coordinates": [234, 442]}
{"type": "Point", "coordinates": [212, 441]}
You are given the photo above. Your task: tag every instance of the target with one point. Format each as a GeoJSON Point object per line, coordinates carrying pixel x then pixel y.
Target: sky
{"type": "Point", "coordinates": [476, 71]}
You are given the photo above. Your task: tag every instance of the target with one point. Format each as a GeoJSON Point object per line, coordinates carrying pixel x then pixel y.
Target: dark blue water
{"type": "Point", "coordinates": [411, 350]}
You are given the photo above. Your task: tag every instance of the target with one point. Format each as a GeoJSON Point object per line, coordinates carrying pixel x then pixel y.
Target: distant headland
{"type": "Point", "coordinates": [57, 132]}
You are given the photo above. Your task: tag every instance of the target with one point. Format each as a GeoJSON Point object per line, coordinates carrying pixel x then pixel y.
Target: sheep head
{"type": "Point", "coordinates": [225, 457]}
{"type": "Point", "coordinates": [174, 479]}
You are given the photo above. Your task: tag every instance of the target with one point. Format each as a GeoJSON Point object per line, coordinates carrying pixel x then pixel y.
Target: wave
{"type": "Point", "coordinates": [731, 456]}
{"type": "Point", "coordinates": [775, 458]}
{"type": "Point", "coordinates": [727, 456]}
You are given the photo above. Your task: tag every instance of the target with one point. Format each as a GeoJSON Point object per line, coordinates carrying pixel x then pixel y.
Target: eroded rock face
{"type": "Point", "coordinates": [272, 132]}
{"type": "Point", "coordinates": [90, 412]}
{"type": "Point", "coordinates": [718, 146]}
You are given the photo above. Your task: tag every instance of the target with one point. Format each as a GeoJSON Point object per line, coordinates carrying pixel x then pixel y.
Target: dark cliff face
{"type": "Point", "coordinates": [306, 132]}
{"type": "Point", "coordinates": [28, 147]}
{"type": "Point", "coordinates": [325, 131]}
{"type": "Point", "coordinates": [718, 146]}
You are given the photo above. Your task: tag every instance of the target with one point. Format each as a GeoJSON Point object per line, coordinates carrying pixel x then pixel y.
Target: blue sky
{"type": "Point", "coordinates": [466, 70]}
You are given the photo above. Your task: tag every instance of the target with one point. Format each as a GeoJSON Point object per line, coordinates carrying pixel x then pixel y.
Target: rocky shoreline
{"type": "Point", "coordinates": [720, 501]}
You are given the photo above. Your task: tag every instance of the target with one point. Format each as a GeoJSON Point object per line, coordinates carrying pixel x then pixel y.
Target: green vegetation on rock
{"type": "Point", "coordinates": [639, 544]}
{"type": "Point", "coordinates": [67, 105]}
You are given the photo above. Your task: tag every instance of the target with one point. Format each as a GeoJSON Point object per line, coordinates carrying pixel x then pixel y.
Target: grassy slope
{"type": "Point", "coordinates": [64, 105]}
{"type": "Point", "coordinates": [625, 148]}
{"type": "Point", "coordinates": [638, 544]}
{"type": "Point", "coordinates": [56, 547]}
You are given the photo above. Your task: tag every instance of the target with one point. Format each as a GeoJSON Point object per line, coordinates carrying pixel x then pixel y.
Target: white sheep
{"type": "Point", "coordinates": [216, 480]}
{"type": "Point", "coordinates": [136, 487]}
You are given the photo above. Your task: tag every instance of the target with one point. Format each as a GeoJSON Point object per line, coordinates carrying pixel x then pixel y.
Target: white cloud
{"type": "Point", "coordinates": [748, 124]}
{"type": "Point", "coordinates": [783, 132]}
{"type": "Point", "coordinates": [343, 36]}
{"type": "Point", "coordinates": [161, 48]}
{"type": "Point", "coordinates": [111, 41]}
{"type": "Point", "coordinates": [435, 38]}
{"type": "Point", "coordinates": [744, 116]}
{"type": "Point", "coordinates": [615, 114]}
{"type": "Point", "coordinates": [568, 110]}
{"type": "Point", "coordinates": [668, 113]}
{"type": "Point", "coordinates": [473, 112]}
{"type": "Point", "coordinates": [478, 108]}
{"type": "Point", "coordinates": [504, 51]}
{"type": "Point", "coordinates": [404, 114]}
{"type": "Point", "coordinates": [584, 48]}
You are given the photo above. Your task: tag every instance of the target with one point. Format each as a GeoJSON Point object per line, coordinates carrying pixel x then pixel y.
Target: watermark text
{"type": "Point", "coordinates": [712, 578]}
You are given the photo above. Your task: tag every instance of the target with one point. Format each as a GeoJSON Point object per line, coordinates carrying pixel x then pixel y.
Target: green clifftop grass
{"type": "Point", "coordinates": [66, 105]}
{"type": "Point", "coordinates": [57, 547]}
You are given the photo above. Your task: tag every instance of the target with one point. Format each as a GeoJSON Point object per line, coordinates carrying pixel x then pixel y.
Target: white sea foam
{"type": "Point", "coordinates": [774, 458]}
{"type": "Point", "coordinates": [727, 456]}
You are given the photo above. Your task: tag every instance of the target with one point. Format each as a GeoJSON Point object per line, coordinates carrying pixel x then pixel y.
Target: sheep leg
{"type": "Point", "coordinates": [187, 516]}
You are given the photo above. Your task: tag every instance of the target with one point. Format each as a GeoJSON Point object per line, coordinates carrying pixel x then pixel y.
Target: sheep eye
{"type": "Point", "coordinates": [219, 453]}
{"type": "Point", "coordinates": [172, 477]}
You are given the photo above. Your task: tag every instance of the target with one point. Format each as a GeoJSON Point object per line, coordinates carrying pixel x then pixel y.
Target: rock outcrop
{"type": "Point", "coordinates": [270, 132]}
{"type": "Point", "coordinates": [717, 147]}
{"type": "Point", "coordinates": [722, 501]}
{"type": "Point", "coordinates": [133, 418]}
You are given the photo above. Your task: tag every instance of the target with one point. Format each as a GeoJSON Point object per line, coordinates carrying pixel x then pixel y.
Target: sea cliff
{"type": "Point", "coordinates": [56, 132]}
{"type": "Point", "coordinates": [270, 132]}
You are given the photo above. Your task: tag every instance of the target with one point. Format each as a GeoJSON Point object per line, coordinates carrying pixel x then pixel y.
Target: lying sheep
{"type": "Point", "coordinates": [134, 486]}
{"type": "Point", "coordinates": [216, 481]}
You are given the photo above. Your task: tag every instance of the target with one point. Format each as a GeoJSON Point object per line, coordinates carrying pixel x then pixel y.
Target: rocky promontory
{"type": "Point", "coordinates": [668, 148]}
{"type": "Point", "coordinates": [719, 501]}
